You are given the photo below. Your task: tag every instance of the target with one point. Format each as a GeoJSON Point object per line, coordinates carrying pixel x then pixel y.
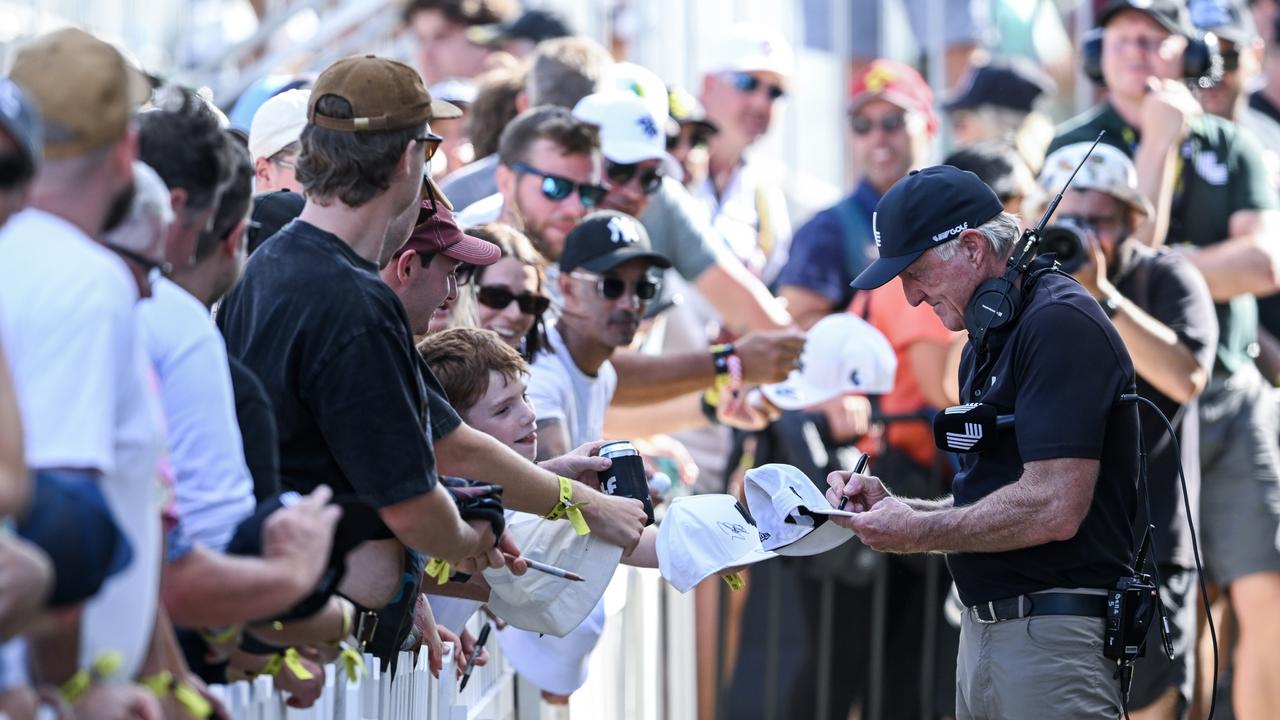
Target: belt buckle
{"type": "Point", "coordinates": [991, 608]}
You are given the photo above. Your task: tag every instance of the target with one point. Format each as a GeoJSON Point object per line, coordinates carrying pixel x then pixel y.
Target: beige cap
{"type": "Point", "coordinates": [84, 88]}
{"type": "Point", "coordinates": [278, 122]}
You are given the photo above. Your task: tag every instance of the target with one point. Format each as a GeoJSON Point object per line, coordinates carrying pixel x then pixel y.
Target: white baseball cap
{"type": "Point", "coordinates": [640, 81]}
{"type": "Point", "coordinates": [1108, 170]}
{"type": "Point", "coordinates": [842, 353]}
{"type": "Point", "coordinates": [750, 48]}
{"type": "Point", "coordinates": [544, 603]}
{"type": "Point", "coordinates": [278, 122]}
{"type": "Point", "coordinates": [702, 535]}
{"type": "Point", "coordinates": [629, 132]}
{"type": "Point", "coordinates": [792, 513]}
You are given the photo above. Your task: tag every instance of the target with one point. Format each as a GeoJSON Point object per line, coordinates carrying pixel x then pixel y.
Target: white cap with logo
{"type": "Point", "coordinates": [544, 603]}
{"type": "Point", "coordinates": [792, 513]}
{"type": "Point", "coordinates": [702, 535]}
{"type": "Point", "coordinates": [629, 133]}
{"type": "Point", "coordinates": [842, 354]}
{"type": "Point", "coordinates": [748, 47]}
{"type": "Point", "coordinates": [278, 122]}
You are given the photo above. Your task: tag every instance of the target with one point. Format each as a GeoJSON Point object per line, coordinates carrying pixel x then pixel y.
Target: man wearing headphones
{"type": "Point", "coordinates": [1208, 184]}
{"type": "Point", "coordinates": [1162, 309]}
{"type": "Point", "coordinates": [1037, 527]}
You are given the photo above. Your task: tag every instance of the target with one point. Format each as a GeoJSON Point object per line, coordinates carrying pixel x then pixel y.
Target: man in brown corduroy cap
{"type": "Point", "coordinates": [332, 344]}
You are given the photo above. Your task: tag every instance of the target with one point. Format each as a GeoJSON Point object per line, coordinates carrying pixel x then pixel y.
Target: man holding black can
{"type": "Point", "coordinates": [608, 273]}
{"type": "Point", "coordinates": [1037, 528]}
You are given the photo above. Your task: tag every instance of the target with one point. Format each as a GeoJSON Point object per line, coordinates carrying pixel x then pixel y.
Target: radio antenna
{"type": "Point", "coordinates": [1031, 238]}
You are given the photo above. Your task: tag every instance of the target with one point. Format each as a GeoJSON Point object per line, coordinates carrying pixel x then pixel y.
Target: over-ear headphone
{"type": "Point", "coordinates": [996, 303]}
{"type": "Point", "coordinates": [1201, 61]}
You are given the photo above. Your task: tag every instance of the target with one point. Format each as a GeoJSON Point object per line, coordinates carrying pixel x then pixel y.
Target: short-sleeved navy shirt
{"type": "Point", "coordinates": [355, 407]}
{"type": "Point", "coordinates": [1060, 370]}
{"type": "Point", "coordinates": [1170, 289]}
{"type": "Point", "coordinates": [829, 251]}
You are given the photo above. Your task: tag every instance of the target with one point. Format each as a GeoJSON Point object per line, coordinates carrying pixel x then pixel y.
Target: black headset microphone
{"type": "Point", "coordinates": [1134, 602]}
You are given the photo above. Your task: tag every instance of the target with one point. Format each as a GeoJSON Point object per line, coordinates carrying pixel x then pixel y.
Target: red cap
{"type": "Point", "coordinates": [438, 232]}
{"type": "Point", "coordinates": [896, 83]}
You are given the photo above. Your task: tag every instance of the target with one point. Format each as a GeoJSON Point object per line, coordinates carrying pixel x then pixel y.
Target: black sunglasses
{"type": "Point", "coordinates": [431, 143]}
{"type": "Point", "coordinates": [499, 297]}
{"type": "Point", "coordinates": [745, 82]}
{"type": "Point", "coordinates": [155, 269]}
{"type": "Point", "coordinates": [611, 287]}
{"type": "Point", "coordinates": [889, 123]}
{"type": "Point", "coordinates": [559, 188]}
{"type": "Point", "coordinates": [620, 174]}
{"type": "Point", "coordinates": [700, 136]}
{"type": "Point", "coordinates": [1230, 59]}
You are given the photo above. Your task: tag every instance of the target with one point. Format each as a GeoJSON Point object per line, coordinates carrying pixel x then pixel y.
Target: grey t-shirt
{"type": "Point", "coordinates": [472, 182]}
{"type": "Point", "coordinates": [679, 229]}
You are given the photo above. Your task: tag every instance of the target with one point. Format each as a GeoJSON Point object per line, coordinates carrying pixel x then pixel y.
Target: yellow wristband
{"type": "Point", "coordinates": [162, 684]}
{"type": "Point", "coordinates": [159, 684]}
{"type": "Point", "coordinates": [192, 701]}
{"type": "Point", "coordinates": [216, 636]}
{"type": "Point", "coordinates": [352, 662]}
{"type": "Point", "coordinates": [438, 569]}
{"type": "Point", "coordinates": [293, 661]}
{"type": "Point", "coordinates": [107, 664]}
{"type": "Point", "coordinates": [734, 581]}
{"type": "Point", "coordinates": [272, 667]}
{"type": "Point", "coordinates": [565, 507]}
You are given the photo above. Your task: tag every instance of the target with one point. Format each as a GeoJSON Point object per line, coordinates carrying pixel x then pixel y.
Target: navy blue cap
{"type": "Point", "coordinates": [272, 211]}
{"type": "Point", "coordinates": [1015, 84]}
{"type": "Point", "coordinates": [19, 119]}
{"type": "Point", "coordinates": [923, 210]}
{"type": "Point", "coordinates": [68, 518]}
{"type": "Point", "coordinates": [604, 240]}
{"type": "Point", "coordinates": [1171, 14]}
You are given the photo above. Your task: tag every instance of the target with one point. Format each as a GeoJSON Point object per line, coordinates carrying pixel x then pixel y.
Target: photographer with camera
{"type": "Point", "coordinates": [1208, 183]}
{"type": "Point", "coordinates": [1037, 527]}
{"type": "Point", "coordinates": [1163, 311]}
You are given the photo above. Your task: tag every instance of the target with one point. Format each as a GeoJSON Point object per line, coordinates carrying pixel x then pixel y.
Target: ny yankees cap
{"type": "Point", "coordinates": [606, 239]}
{"type": "Point", "coordinates": [923, 210]}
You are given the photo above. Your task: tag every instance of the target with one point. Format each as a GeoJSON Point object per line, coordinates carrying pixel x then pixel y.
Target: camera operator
{"type": "Point", "coordinates": [1163, 311]}
{"type": "Point", "coordinates": [1207, 181]}
{"type": "Point", "coordinates": [1037, 527]}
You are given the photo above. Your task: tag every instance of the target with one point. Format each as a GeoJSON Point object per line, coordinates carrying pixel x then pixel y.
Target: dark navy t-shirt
{"type": "Point", "coordinates": [1060, 370]}
{"type": "Point", "coordinates": [355, 406]}
{"type": "Point", "coordinates": [829, 251]}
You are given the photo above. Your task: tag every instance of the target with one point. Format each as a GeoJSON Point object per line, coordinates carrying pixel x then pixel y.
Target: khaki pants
{"type": "Point", "coordinates": [1042, 667]}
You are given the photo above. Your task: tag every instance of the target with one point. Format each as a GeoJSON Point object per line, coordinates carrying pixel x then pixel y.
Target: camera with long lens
{"type": "Point", "coordinates": [1068, 243]}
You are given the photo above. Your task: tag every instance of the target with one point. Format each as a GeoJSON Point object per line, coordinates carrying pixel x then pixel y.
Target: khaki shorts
{"type": "Point", "coordinates": [1042, 667]}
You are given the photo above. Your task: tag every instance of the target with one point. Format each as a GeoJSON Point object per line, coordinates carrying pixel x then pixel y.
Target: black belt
{"type": "Point", "coordinates": [1045, 603]}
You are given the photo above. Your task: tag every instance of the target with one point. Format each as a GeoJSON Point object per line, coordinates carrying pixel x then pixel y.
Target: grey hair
{"type": "Point", "coordinates": [150, 214]}
{"type": "Point", "coordinates": [1001, 233]}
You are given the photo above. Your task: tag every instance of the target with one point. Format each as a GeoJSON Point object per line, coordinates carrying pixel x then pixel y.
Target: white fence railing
{"type": "Point", "coordinates": [643, 668]}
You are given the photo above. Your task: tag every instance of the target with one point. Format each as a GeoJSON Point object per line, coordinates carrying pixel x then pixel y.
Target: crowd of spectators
{"type": "Point", "coordinates": [280, 392]}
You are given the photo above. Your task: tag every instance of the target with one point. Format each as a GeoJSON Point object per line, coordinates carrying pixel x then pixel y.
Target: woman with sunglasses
{"type": "Point", "coordinates": [509, 294]}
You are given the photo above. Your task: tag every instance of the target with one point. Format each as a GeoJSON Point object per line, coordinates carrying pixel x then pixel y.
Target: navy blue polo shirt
{"type": "Point", "coordinates": [829, 251]}
{"type": "Point", "coordinates": [1060, 369]}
